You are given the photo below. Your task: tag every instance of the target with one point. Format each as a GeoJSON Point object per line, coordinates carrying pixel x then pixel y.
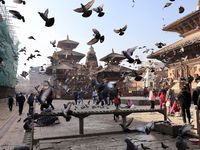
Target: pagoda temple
{"type": "Point", "coordinates": [113, 71]}
{"type": "Point", "coordinates": [182, 56]}
{"type": "Point", "coordinates": [65, 68]}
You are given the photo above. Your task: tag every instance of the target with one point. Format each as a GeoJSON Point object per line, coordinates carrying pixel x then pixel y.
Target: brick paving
{"type": "Point", "coordinates": [93, 124]}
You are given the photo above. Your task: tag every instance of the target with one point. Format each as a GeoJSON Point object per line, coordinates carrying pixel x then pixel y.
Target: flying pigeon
{"type": "Point", "coordinates": [17, 15]}
{"type": "Point", "coordinates": [53, 43]}
{"type": "Point", "coordinates": [85, 9]}
{"type": "Point", "coordinates": [144, 147]}
{"type": "Point", "coordinates": [160, 44]}
{"type": "Point", "coordinates": [39, 55]}
{"type": "Point", "coordinates": [99, 10]}
{"type": "Point", "coordinates": [97, 37]}
{"type": "Point", "coordinates": [128, 53]}
{"type": "Point", "coordinates": [121, 30]}
{"type": "Point", "coordinates": [31, 57]}
{"type": "Point", "coordinates": [48, 21]}
{"type": "Point", "coordinates": [145, 129]}
{"type": "Point", "coordinates": [130, 145]}
{"type": "Point", "coordinates": [171, 0]}
{"type": "Point", "coordinates": [167, 4]}
{"type": "Point", "coordinates": [164, 146]}
{"type": "Point", "coordinates": [19, 2]}
{"type": "Point", "coordinates": [181, 9]}
{"type": "Point", "coordinates": [22, 49]}
{"type": "Point", "coordinates": [125, 126]}
{"type": "Point", "coordinates": [31, 37]}
{"type": "Point", "coordinates": [37, 51]}
{"type": "Point", "coordinates": [24, 74]}
{"type": "Point", "coordinates": [2, 1]}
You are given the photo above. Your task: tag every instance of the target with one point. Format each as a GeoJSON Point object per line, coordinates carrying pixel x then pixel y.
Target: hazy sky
{"type": "Point", "coordinates": [145, 22]}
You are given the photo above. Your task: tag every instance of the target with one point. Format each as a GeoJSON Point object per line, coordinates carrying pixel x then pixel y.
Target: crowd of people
{"type": "Point", "coordinates": [176, 104]}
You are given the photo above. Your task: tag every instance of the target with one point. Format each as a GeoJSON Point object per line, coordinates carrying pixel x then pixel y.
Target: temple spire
{"type": "Point", "coordinates": [67, 37]}
{"type": "Point", "coordinates": [198, 5]}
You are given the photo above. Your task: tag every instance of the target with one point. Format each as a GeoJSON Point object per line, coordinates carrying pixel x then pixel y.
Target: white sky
{"type": "Point", "coordinates": [144, 22]}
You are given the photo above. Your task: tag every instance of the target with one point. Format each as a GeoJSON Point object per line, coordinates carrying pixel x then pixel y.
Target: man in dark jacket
{"type": "Point", "coordinates": [185, 100]}
{"type": "Point", "coordinates": [21, 100]}
{"type": "Point", "coordinates": [196, 96]}
{"type": "Point", "coordinates": [10, 102]}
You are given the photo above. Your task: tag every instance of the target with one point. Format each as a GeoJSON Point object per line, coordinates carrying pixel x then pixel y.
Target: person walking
{"type": "Point", "coordinates": [152, 98]}
{"type": "Point", "coordinates": [50, 99]}
{"type": "Point", "coordinates": [30, 102]}
{"type": "Point", "coordinates": [184, 98]}
{"type": "Point", "coordinates": [170, 98]}
{"type": "Point", "coordinates": [94, 96]}
{"type": "Point", "coordinates": [10, 102]}
{"type": "Point", "coordinates": [162, 95]}
{"type": "Point", "coordinates": [76, 97]}
{"type": "Point", "coordinates": [21, 100]}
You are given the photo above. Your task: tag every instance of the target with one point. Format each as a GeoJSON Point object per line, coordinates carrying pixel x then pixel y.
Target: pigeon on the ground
{"type": "Point", "coordinates": [85, 9]}
{"type": "Point", "coordinates": [17, 15]}
{"type": "Point", "coordinates": [181, 143]}
{"type": "Point", "coordinates": [48, 21]}
{"type": "Point", "coordinates": [121, 30]}
{"type": "Point", "coordinates": [99, 10]}
{"type": "Point", "coordinates": [144, 147]}
{"type": "Point", "coordinates": [130, 145]}
{"type": "Point", "coordinates": [97, 37]}
{"type": "Point", "coordinates": [164, 146]}
{"type": "Point", "coordinates": [19, 2]}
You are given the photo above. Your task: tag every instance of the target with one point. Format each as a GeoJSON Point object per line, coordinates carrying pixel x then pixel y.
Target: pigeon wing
{"type": "Point", "coordinates": [93, 41]}
{"type": "Point", "coordinates": [46, 12]}
{"type": "Point", "coordinates": [79, 10]}
{"type": "Point", "coordinates": [124, 28]}
{"type": "Point", "coordinates": [89, 4]}
{"type": "Point", "coordinates": [116, 30]}
{"type": "Point", "coordinates": [131, 50]}
{"type": "Point", "coordinates": [96, 32]}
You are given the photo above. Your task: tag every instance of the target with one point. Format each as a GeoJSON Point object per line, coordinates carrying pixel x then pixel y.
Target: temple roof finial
{"type": "Point", "coordinates": [67, 37]}
{"type": "Point", "coordinates": [198, 5]}
{"type": "Point", "coordinates": [112, 50]}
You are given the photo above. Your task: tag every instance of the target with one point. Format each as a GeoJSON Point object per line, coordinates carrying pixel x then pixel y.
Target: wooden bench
{"type": "Point", "coordinates": [122, 112]}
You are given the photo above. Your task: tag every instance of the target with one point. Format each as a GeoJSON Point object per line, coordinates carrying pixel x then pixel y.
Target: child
{"type": "Point", "coordinates": [175, 108]}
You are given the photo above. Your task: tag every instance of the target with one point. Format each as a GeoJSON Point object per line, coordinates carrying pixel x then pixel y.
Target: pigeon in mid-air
{"type": "Point", "coordinates": [99, 10]}
{"type": "Point", "coordinates": [31, 57]}
{"type": "Point", "coordinates": [97, 37]}
{"type": "Point", "coordinates": [48, 21]}
{"type": "Point", "coordinates": [125, 126]}
{"type": "Point", "coordinates": [128, 53]}
{"type": "Point", "coordinates": [164, 146]}
{"type": "Point", "coordinates": [181, 9]}
{"type": "Point", "coordinates": [85, 9]}
{"type": "Point", "coordinates": [2, 1]}
{"type": "Point", "coordinates": [145, 129]}
{"type": "Point", "coordinates": [22, 49]}
{"type": "Point", "coordinates": [130, 145]}
{"type": "Point", "coordinates": [171, 0]}
{"type": "Point", "coordinates": [160, 44]}
{"type": "Point", "coordinates": [121, 30]}
{"type": "Point", "coordinates": [17, 15]}
{"type": "Point", "coordinates": [24, 74]}
{"type": "Point", "coordinates": [31, 37]}
{"type": "Point", "coordinates": [144, 147]}
{"type": "Point", "coordinates": [37, 51]}
{"type": "Point", "coordinates": [167, 4]}
{"type": "Point", "coordinates": [19, 2]}
{"type": "Point", "coordinates": [53, 43]}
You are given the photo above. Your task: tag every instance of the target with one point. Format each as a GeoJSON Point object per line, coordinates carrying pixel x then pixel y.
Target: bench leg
{"type": "Point", "coordinates": [81, 126]}
{"type": "Point", "coordinates": [123, 119]}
